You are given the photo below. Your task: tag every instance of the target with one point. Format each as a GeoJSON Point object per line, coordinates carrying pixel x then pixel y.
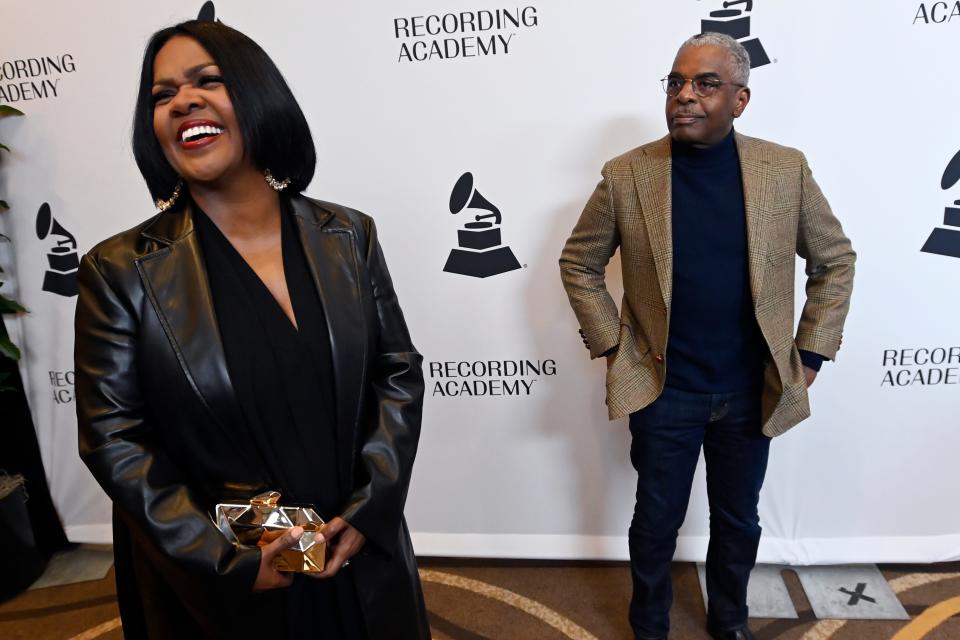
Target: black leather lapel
{"type": "Point", "coordinates": [176, 282]}
{"type": "Point", "coordinates": [330, 247]}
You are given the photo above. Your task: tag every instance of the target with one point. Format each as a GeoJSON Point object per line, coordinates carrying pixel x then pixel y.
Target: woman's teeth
{"type": "Point", "coordinates": [194, 133]}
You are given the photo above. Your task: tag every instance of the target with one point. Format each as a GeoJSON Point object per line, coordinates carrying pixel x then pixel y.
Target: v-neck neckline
{"type": "Point", "coordinates": [235, 256]}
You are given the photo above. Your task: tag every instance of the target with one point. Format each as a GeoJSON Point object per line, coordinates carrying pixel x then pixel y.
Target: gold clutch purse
{"type": "Point", "coordinates": [262, 520]}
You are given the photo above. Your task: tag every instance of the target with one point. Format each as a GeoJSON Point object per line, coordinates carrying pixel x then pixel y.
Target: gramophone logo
{"type": "Point", "coordinates": [946, 242]}
{"type": "Point", "coordinates": [208, 13]}
{"type": "Point", "coordinates": [736, 24]}
{"type": "Point", "coordinates": [480, 253]}
{"type": "Point", "coordinates": [61, 277]}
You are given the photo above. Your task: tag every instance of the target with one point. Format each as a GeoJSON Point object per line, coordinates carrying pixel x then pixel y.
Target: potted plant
{"type": "Point", "coordinates": [7, 305]}
{"type": "Point", "coordinates": [26, 560]}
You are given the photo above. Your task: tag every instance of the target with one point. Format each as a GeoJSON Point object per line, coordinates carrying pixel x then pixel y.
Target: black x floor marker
{"type": "Point", "coordinates": [857, 595]}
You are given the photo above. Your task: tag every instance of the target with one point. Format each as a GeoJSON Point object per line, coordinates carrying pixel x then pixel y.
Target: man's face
{"type": "Point", "coordinates": [704, 121]}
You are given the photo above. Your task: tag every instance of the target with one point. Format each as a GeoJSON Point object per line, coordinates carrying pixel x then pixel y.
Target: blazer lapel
{"type": "Point", "coordinates": [758, 193]}
{"type": "Point", "coordinates": [652, 178]}
{"type": "Point", "coordinates": [176, 283]}
{"type": "Point", "coordinates": [330, 248]}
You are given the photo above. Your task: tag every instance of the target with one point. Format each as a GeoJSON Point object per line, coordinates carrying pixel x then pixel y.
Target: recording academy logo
{"type": "Point", "coordinates": [37, 78]}
{"type": "Point", "coordinates": [937, 12]}
{"type": "Point", "coordinates": [208, 13]}
{"type": "Point", "coordinates": [480, 253]}
{"type": "Point", "coordinates": [946, 242]}
{"type": "Point", "coordinates": [61, 277]}
{"type": "Point", "coordinates": [482, 378]}
{"type": "Point", "coordinates": [736, 24]}
{"type": "Point", "coordinates": [62, 386]}
{"type": "Point", "coordinates": [464, 34]}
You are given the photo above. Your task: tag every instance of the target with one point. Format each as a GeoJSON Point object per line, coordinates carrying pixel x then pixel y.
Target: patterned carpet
{"type": "Point", "coordinates": [480, 600]}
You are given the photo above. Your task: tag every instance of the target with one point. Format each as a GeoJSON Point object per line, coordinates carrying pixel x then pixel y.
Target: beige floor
{"type": "Point", "coordinates": [477, 600]}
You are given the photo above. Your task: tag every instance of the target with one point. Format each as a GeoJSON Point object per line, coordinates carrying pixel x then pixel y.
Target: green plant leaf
{"type": "Point", "coordinates": [4, 205]}
{"type": "Point", "coordinates": [10, 306]}
{"type": "Point", "coordinates": [8, 349]}
{"type": "Point", "coordinates": [6, 110]}
{"type": "Point", "coordinates": [3, 383]}
{"type": "Point", "coordinates": [4, 147]}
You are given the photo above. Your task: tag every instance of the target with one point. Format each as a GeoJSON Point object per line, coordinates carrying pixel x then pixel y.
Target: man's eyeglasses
{"type": "Point", "coordinates": [703, 87]}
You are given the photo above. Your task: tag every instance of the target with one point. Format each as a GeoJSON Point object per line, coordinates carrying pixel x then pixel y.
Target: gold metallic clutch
{"type": "Point", "coordinates": [262, 520]}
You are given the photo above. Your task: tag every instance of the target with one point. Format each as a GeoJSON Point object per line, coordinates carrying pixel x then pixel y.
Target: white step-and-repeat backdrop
{"type": "Point", "coordinates": [404, 97]}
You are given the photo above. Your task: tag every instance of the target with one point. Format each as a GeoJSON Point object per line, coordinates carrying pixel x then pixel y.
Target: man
{"type": "Point", "coordinates": [702, 352]}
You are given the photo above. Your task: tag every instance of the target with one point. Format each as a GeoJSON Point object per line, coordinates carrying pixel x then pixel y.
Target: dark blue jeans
{"type": "Point", "coordinates": [667, 436]}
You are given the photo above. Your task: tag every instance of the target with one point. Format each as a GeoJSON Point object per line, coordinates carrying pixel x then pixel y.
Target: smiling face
{"type": "Point", "coordinates": [698, 121]}
{"type": "Point", "coordinates": [193, 117]}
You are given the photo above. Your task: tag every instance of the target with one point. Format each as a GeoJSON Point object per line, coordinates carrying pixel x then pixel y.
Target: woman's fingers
{"type": "Point", "coordinates": [342, 549]}
{"type": "Point", "coordinates": [332, 529]}
{"type": "Point", "coordinates": [335, 562]}
{"type": "Point", "coordinates": [270, 536]}
{"type": "Point", "coordinates": [267, 576]}
{"type": "Point", "coordinates": [284, 541]}
{"type": "Point", "coordinates": [278, 580]}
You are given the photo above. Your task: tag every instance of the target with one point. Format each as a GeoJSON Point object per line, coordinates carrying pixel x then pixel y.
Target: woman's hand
{"type": "Point", "coordinates": [344, 542]}
{"type": "Point", "coordinates": [268, 577]}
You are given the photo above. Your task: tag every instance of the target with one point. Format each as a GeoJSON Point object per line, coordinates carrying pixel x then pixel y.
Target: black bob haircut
{"type": "Point", "coordinates": [275, 133]}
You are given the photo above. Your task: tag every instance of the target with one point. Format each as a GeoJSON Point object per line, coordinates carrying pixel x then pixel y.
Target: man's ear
{"type": "Point", "coordinates": [743, 98]}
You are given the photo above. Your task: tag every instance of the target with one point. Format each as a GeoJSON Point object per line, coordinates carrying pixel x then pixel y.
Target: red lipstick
{"type": "Point", "coordinates": [208, 132]}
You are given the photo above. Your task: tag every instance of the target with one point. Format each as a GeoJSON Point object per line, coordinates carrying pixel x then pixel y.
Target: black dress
{"type": "Point", "coordinates": [284, 381]}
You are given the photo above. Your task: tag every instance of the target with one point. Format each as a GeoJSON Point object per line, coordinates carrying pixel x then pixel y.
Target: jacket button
{"type": "Point", "coordinates": [658, 357]}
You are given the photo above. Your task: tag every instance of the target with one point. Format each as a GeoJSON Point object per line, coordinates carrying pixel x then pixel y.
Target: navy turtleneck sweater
{"type": "Point", "coordinates": [715, 344]}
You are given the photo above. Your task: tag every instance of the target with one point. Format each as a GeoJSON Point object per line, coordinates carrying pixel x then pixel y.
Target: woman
{"type": "Point", "coordinates": [245, 339]}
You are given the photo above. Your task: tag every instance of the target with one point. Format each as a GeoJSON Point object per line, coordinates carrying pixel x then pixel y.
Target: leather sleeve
{"type": "Point", "coordinates": [830, 266]}
{"type": "Point", "coordinates": [396, 380]}
{"type": "Point", "coordinates": [583, 263]}
{"type": "Point", "coordinates": [118, 444]}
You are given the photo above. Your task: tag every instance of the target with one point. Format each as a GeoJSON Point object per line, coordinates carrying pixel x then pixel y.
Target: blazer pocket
{"type": "Point", "coordinates": [629, 354]}
{"type": "Point", "coordinates": [795, 367]}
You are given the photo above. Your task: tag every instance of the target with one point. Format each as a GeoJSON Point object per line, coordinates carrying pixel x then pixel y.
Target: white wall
{"type": "Point", "coordinates": [863, 88]}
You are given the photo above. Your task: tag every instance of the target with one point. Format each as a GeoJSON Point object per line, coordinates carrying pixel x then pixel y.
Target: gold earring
{"type": "Point", "coordinates": [163, 205]}
{"type": "Point", "coordinates": [277, 185]}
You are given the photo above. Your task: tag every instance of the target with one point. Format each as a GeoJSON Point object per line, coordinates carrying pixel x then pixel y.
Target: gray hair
{"type": "Point", "coordinates": [741, 59]}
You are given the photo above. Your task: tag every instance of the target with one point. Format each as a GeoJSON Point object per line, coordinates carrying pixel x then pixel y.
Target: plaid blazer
{"type": "Point", "coordinates": [787, 215]}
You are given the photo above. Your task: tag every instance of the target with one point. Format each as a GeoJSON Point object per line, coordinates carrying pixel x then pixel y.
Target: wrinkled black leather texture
{"type": "Point", "coordinates": [157, 419]}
